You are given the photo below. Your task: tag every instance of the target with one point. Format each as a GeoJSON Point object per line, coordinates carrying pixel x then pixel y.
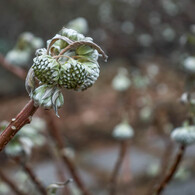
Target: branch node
{"type": "Point", "coordinates": [13, 127]}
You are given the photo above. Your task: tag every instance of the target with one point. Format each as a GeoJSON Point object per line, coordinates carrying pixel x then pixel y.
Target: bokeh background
{"type": "Point", "coordinates": [149, 42]}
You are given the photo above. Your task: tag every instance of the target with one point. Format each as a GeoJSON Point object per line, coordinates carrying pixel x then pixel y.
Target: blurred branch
{"type": "Point", "coordinates": [31, 174]}
{"type": "Point", "coordinates": [166, 157]}
{"type": "Point", "coordinates": [158, 190]}
{"type": "Point", "coordinates": [55, 134]}
{"type": "Point", "coordinates": [57, 161]}
{"type": "Point", "coordinates": [11, 184]}
{"type": "Point", "coordinates": [23, 118]}
{"type": "Point", "coordinates": [19, 72]}
{"type": "Point", "coordinates": [113, 180]}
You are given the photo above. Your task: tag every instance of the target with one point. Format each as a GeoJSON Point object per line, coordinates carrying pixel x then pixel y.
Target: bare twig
{"type": "Point", "coordinates": [170, 174]}
{"type": "Point", "coordinates": [11, 184]}
{"type": "Point", "coordinates": [164, 165]}
{"type": "Point", "coordinates": [28, 170]}
{"type": "Point", "coordinates": [17, 123]}
{"type": "Point", "coordinates": [166, 156]}
{"type": "Point", "coordinates": [113, 180]}
{"type": "Point", "coordinates": [76, 44]}
{"type": "Point", "coordinates": [57, 159]}
{"type": "Point", "coordinates": [55, 133]}
{"type": "Point", "coordinates": [19, 72]}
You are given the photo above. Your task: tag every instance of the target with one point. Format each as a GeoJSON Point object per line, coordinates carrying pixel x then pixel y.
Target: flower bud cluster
{"type": "Point", "coordinates": [70, 61]}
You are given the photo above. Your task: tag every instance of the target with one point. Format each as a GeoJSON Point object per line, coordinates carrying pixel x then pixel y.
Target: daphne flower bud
{"type": "Point", "coordinates": [70, 62]}
{"type": "Point", "coordinates": [48, 97]}
{"type": "Point", "coordinates": [121, 82]}
{"type": "Point", "coordinates": [123, 131]}
{"type": "Point", "coordinates": [79, 24]}
{"type": "Point", "coordinates": [184, 135]}
{"type": "Point", "coordinates": [189, 64]}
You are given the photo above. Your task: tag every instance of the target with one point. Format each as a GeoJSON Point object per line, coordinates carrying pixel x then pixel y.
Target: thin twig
{"type": "Point", "coordinates": [19, 72]}
{"type": "Point", "coordinates": [57, 160]}
{"type": "Point", "coordinates": [56, 38]}
{"type": "Point", "coordinates": [114, 176]}
{"type": "Point", "coordinates": [166, 156]}
{"type": "Point", "coordinates": [11, 184]}
{"type": "Point", "coordinates": [164, 165]}
{"type": "Point", "coordinates": [172, 171]}
{"type": "Point", "coordinates": [55, 133]}
{"type": "Point", "coordinates": [76, 44]}
{"type": "Point", "coordinates": [17, 123]}
{"type": "Point", "coordinates": [28, 170]}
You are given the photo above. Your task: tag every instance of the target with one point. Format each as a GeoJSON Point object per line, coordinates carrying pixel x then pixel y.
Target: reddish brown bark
{"type": "Point", "coordinates": [17, 123]}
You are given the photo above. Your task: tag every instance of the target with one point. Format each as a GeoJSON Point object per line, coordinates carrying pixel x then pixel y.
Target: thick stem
{"type": "Point", "coordinates": [55, 133]}
{"type": "Point", "coordinates": [11, 184]}
{"type": "Point", "coordinates": [17, 123]}
{"type": "Point", "coordinates": [114, 176]}
{"type": "Point", "coordinates": [170, 174]}
{"type": "Point", "coordinates": [19, 72]}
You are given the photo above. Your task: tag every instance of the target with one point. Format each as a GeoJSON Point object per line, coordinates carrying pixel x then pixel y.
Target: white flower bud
{"type": "Point", "coordinates": [38, 123]}
{"type": "Point", "coordinates": [18, 57]}
{"type": "Point", "coordinates": [121, 81]}
{"type": "Point", "coordinates": [4, 188]}
{"type": "Point", "coordinates": [70, 61]}
{"type": "Point", "coordinates": [189, 64]}
{"type": "Point", "coordinates": [79, 24]}
{"type": "Point", "coordinates": [123, 131]}
{"type": "Point", "coordinates": [184, 135]}
{"type": "Point", "coordinates": [14, 149]}
{"type": "Point", "coordinates": [48, 97]}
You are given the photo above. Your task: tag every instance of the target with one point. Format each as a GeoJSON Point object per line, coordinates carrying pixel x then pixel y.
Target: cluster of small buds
{"type": "Point", "coordinates": [184, 135]}
{"type": "Point", "coordinates": [70, 61]}
{"type": "Point", "coordinates": [48, 97]}
{"type": "Point", "coordinates": [46, 69]}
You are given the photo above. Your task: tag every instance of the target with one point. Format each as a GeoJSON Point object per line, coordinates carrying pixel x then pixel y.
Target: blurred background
{"type": "Point", "coordinates": [150, 45]}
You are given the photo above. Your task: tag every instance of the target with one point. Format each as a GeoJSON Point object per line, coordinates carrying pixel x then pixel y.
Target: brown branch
{"type": "Point", "coordinates": [28, 170]}
{"type": "Point", "coordinates": [170, 174]}
{"type": "Point", "coordinates": [11, 184]}
{"type": "Point", "coordinates": [114, 176]}
{"type": "Point", "coordinates": [55, 133]}
{"type": "Point", "coordinates": [57, 160]}
{"type": "Point", "coordinates": [19, 72]}
{"type": "Point", "coordinates": [17, 123]}
{"type": "Point", "coordinates": [164, 164]}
